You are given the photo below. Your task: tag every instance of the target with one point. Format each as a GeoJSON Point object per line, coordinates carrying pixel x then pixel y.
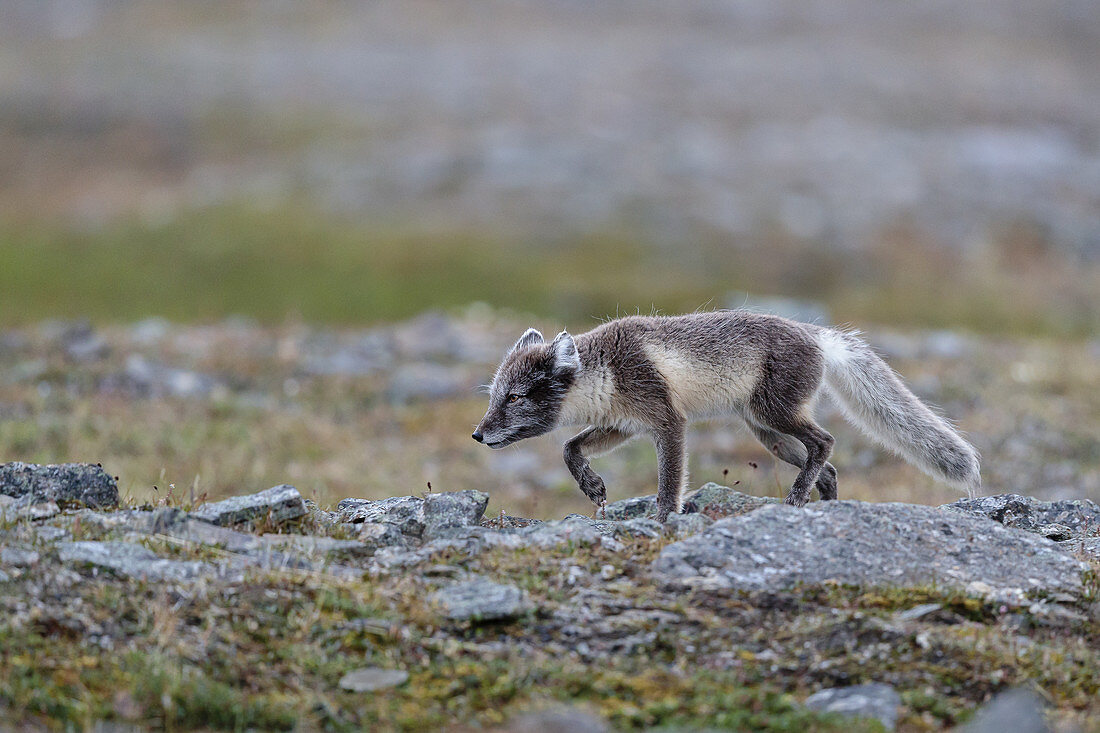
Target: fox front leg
{"type": "Point", "coordinates": [671, 465]}
{"type": "Point", "coordinates": [591, 441]}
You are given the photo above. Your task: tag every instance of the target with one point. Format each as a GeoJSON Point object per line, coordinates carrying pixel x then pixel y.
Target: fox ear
{"type": "Point", "coordinates": [530, 337]}
{"type": "Point", "coordinates": [565, 353]}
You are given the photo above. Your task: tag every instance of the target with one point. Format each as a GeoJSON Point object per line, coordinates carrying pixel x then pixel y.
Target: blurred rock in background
{"type": "Point", "coordinates": [830, 122]}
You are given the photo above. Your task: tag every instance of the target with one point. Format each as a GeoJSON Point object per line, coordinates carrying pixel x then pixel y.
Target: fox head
{"type": "Point", "coordinates": [527, 392]}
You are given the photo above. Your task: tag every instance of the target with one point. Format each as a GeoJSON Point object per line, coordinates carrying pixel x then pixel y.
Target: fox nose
{"type": "Point", "coordinates": [478, 437]}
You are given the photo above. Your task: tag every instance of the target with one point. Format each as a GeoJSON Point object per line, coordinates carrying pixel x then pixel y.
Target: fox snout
{"type": "Point", "coordinates": [478, 436]}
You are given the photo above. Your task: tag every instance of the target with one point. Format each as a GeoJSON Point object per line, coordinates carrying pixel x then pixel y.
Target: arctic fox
{"type": "Point", "coordinates": [655, 374]}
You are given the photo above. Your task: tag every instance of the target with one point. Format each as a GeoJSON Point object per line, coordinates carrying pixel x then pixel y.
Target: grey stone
{"type": "Point", "coordinates": [204, 533]}
{"type": "Point", "coordinates": [145, 378]}
{"type": "Point", "coordinates": [858, 543]}
{"type": "Point", "coordinates": [555, 720]}
{"type": "Point", "coordinates": [1055, 532]}
{"type": "Point", "coordinates": [90, 348]}
{"type": "Point", "coordinates": [639, 527]}
{"type": "Point", "coordinates": [1018, 710]}
{"type": "Point", "coordinates": [18, 557]}
{"type": "Point", "coordinates": [180, 525]}
{"type": "Point", "coordinates": [507, 521]}
{"type": "Point", "coordinates": [317, 547]}
{"type": "Point", "coordinates": [1080, 516]}
{"type": "Point", "coordinates": [370, 679]}
{"type": "Point", "coordinates": [29, 509]}
{"type": "Point", "coordinates": [85, 483]}
{"type": "Point", "coordinates": [576, 530]}
{"type": "Point", "coordinates": [480, 600]}
{"type": "Point", "coordinates": [278, 504]}
{"type": "Point", "coordinates": [636, 506]}
{"type": "Point", "coordinates": [423, 382]}
{"type": "Point", "coordinates": [405, 512]}
{"type": "Point", "coordinates": [874, 700]}
{"type": "Point", "coordinates": [1088, 548]}
{"type": "Point", "coordinates": [716, 500]}
{"type": "Point", "coordinates": [681, 526]}
{"type": "Point", "coordinates": [131, 560]}
{"type": "Point", "coordinates": [376, 535]}
{"type": "Point", "coordinates": [447, 511]}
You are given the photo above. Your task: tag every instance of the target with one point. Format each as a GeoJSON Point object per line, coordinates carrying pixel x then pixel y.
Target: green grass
{"type": "Point", "coordinates": [293, 262]}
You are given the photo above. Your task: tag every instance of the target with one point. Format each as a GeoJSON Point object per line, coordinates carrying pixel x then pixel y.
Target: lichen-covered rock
{"type": "Point", "coordinates": [83, 483]}
{"type": "Point", "coordinates": [370, 679]}
{"type": "Point", "coordinates": [716, 500]}
{"type": "Point", "coordinates": [453, 510]}
{"type": "Point", "coordinates": [681, 526]}
{"type": "Point", "coordinates": [507, 521]}
{"type": "Point", "coordinates": [132, 560]}
{"type": "Point", "coordinates": [278, 504]}
{"type": "Point", "coordinates": [377, 535]}
{"type": "Point", "coordinates": [1088, 548]}
{"type": "Point", "coordinates": [638, 527]}
{"type": "Point", "coordinates": [780, 546]}
{"type": "Point", "coordinates": [480, 600]}
{"type": "Point", "coordinates": [575, 530]}
{"type": "Point", "coordinates": [405, 512]}
{"type": "Point", "coordinates": [1080, 516]}
{"type": "Point", "coordinates": [874, 700]}
{"type": "Point", "coordinates": [711, 499]}
{"type": "Point", "coordinates": [635, 506]}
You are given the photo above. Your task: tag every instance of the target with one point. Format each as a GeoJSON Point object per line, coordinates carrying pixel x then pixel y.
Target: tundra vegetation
{"type": "Point", "coordinates": [171, 624]}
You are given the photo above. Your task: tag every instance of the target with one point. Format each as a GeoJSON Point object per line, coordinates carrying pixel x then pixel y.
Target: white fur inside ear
{"type": "Point", "coordinates": [565, 352]}
{"type": "Point", "coordinates": [530, 337]}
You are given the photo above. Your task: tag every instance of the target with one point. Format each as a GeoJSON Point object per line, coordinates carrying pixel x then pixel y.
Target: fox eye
{"type": "Point", "coordinates": [512, 398]}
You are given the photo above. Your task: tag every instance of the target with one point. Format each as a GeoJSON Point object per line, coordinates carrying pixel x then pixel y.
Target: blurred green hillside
{"type": "Point", "coordinates": [293, 262]}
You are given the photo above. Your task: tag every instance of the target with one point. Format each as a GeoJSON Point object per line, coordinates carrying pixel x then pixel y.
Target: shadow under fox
{"type": "Point", "coordinates": [655, 374]}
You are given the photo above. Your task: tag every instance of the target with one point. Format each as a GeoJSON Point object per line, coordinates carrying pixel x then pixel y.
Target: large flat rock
{"type": "Point", "coordinates": [85, 483]}
{"type": "Point", "coordinates": [129, 559]}
{"type": "Point", "coordinates": [1081, 517]}
{"type": "Point", "coordinates": [278, 504]}
{"type": "Point", "coordinates": [858, 543]}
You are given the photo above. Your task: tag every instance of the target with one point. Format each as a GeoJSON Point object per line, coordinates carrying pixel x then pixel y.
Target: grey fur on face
{"type": "Point", "coordinates": [527, 391]}
{"type": "Point", "coordinates": [653, 375]}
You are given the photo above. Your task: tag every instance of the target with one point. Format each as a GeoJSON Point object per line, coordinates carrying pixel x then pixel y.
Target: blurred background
{"type": "Point", "coordinates": [249, 243]}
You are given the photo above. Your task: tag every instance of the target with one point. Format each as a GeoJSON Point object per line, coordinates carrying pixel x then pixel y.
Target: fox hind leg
{"type": "Point", "coordinates": [819, 444]}
{"type": "Point", "coordinates": [789, 449]}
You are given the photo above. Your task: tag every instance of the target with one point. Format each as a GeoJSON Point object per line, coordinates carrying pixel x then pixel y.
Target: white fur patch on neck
{"type": "Point", "coordinates": [589, 400]}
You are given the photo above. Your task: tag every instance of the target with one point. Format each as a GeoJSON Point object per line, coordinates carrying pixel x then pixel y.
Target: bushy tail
{"type": "Point", "coordinates": [876, 401]}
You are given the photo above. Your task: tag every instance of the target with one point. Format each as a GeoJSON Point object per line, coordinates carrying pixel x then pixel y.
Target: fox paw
{"type": "Point", "coordinates": [593, 487]}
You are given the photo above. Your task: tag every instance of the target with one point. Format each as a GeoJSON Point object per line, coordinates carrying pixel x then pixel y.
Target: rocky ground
{"type": "Point", "coordinates": [223, 408]}
{"type": "Point", "coordinates": [265, 611]}
{"type": "Point", "coordinates": [373, 586]}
